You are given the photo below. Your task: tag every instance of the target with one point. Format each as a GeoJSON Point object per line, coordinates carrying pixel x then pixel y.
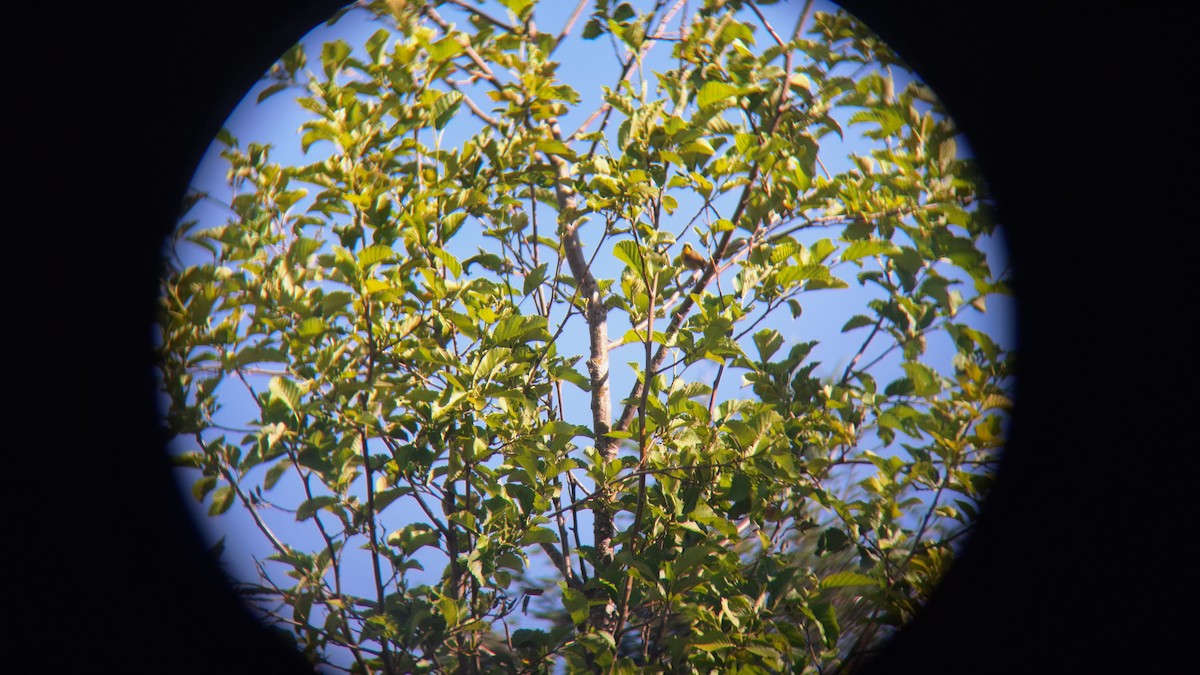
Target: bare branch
{"type": "Point", "coordinates": [562, 35]}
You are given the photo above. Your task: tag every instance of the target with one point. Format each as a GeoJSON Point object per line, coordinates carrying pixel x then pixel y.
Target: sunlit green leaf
{"type": "Point", "coordinates": [864, 247]}
{"type": "Point", "coordinates": [373, 254]}
{"type": "Point", "coordinates": [285, 390]}
{"type": "Point", "coordinates": [845, 578]}
{"type": "Point", "coordinates": [714, 92]}
{"type": "Point", "coordinates": [444, 48]}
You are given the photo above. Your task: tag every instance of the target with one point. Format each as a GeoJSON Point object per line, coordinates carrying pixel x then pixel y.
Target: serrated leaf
{"type": "Point", "coordinates": [335, 301]}
{"type": "Point", "coordinates": [445, 108]}
{"type": "Point", "coordinates": [285, 390]}
{"type": "Point", "coordinates": [628, 252]}
{"type": "Point", "coordinates": [711, 641]}
{"type": "Point", "coordinates": [744, 142]}
{"type": "Point", "coordinates": [452, 264]}
{"type": "Point", "coordinates": [714, 92]}
{"type": "Point", "coordinates": [310, 327]}
{"type": "Point", "coordinates": [373, 254]}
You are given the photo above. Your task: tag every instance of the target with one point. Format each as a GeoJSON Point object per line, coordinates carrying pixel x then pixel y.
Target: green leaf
{"type": "Point", "coordinates": [841, 579]}
{"type": "Point", "coordinates": [593, 29]}
{"type": "Point", "coordinates": [714, 92]}
{"type": "Point", "coordinates": [294, 59]}
{"type": "Point", "coordinates": [711, 641]}
{"type": "Point", "coordinates": [375, 43]}
{"type": "Point", "coordinates": [925, 380]}
{"type": "Point", "coordinates": [192, 460]}
{"type": "Point", "coordinates": [222, 500]}
{"type": "Point", "coordinates": [555, 147]}
{"type": "Point", "coordinates": [373, 254]}
{"type": "Point", "coordinates": [489, 261]}
{"type": "Point", "coordinates": [335, 301]}
{"type": "Point", "coordinates": [444, 108]}
{"type": "Point", "coordinates": [571, 375]}
{"type": "Point", "coordinates": [576, 604]}
{"type": "Point", "coordinates": [445, 48]}
{"type": "Point", "coordinates": [449, 610]}
{"type": "Point", "coordinates": [309, 507]}
{"type": "Point", "coordinates": [333, 55]}
{"type": "Point", "coordinates": [768, 342]}
{"type": "Point", "coordinates": [203, 486]}
{"type": "Point", "coordinates": [539, 535]}
{"type": "Point", "coordinates": [628, 252]}
{"type": "Point", "coordinates": [285, 390]}
{"type": "Point", "coordinates": [384, 498]}
{"type": "Point", "coordinates": [520, 329]}
{"type": "Point", "coordinates": [832, 540]}
{"type": "Point", "coordinates": [857, 321]}
{"type": "Point", "coordinates": [413, 537]}
{"type": "Point", "coordinates": [453, 266]}
{"type": "Point", "coordinates": [310, 327]}
{"type": "Point", "coordinates": [273, 474]}
{"type": "Point", "coordinates": [866, 247]}
{"type": "Point", "coordinates": [535, 278]}
{"type": "Point", "coordinates": [947, 152]}
{"type": "Point", "coordinates": [827, 620]}
{"type": "Point", "coordinates": [272, 90]}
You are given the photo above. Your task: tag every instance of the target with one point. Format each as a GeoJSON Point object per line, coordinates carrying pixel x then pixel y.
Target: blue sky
{"type": "Point", "coordinates": [277, 120]}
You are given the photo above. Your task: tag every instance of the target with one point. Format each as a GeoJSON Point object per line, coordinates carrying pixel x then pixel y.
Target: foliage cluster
{"type": "Point", "coordinates": [684, 529]}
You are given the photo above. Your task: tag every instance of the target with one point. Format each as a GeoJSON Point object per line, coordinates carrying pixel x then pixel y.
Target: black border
{"type": "Point", "coordinates": [1043, 586]}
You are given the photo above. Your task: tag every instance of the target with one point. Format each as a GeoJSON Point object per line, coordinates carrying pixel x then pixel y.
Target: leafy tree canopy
{"type": "Point", "coordinates": [525, 431]}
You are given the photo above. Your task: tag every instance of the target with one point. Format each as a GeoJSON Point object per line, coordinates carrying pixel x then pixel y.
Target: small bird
{"type": "Point", "coordinates": [691, 259]}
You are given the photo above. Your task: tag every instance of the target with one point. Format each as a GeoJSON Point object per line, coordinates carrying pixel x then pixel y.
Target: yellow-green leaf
{"type": "Point", "coordinates": [285, 390]}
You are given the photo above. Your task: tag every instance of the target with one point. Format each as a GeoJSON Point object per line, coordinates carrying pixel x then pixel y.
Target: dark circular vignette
{"type": "Point", "coordinates": [165, 76]}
